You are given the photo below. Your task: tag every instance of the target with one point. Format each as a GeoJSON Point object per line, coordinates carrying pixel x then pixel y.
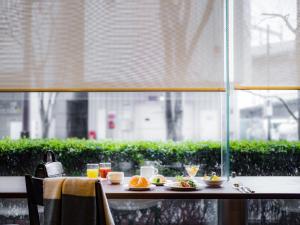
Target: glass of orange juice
{"type": "Point", "coordinates": [92, 170]}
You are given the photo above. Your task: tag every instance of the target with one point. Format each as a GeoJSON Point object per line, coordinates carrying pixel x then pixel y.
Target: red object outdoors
{"type": "Point", "coordinates": [92, 134]}
{"type": "Point", "coordinates": [104, 171]}
{"type": "Point", "coordinates": [111, 124]}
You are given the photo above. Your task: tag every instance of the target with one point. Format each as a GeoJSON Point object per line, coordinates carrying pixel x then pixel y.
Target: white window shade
{"type": "Point", "coordinates": [267, 44]}
{"type": "Point", "coordinates": [99, 45]}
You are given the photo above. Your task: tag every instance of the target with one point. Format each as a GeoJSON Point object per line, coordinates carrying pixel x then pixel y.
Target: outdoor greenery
{"type": "Point", "coordinates": [18, 157]}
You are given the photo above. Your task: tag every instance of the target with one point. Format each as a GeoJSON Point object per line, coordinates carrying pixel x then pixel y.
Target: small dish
{"type": "Point", "coordinates": [158, 180]}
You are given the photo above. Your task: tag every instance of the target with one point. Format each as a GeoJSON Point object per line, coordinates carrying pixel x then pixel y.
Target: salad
{"type": "Point", "coordinates": [186, 182]}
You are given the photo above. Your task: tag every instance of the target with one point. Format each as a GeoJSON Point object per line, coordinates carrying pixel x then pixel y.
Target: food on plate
{"type": "Point", "coordinates": [138, 182]}
{"type": "Point", "coordinates": [158, 179]}
{"type": "Point", "coordinates": [185, 182]}
{"type": "Point", "coordinates": [213, 180]}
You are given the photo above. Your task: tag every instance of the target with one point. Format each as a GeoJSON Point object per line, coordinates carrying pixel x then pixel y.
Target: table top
{"type": "Point", "coordinates": [264, 187]}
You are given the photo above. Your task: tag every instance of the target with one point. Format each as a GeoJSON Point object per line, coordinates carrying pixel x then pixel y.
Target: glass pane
{"type": "Point", "coordinates": [165, 211]}
{"type": "Point", "coordinates": [265, 116]}
{"type": "Point", "coordinates": [279, 211]}
{"type": "Point", "coordinates": [183, 121]}
{"type": "Point", "coordinates": [14, 211]}
{"type": "Point", "coordinates": [266, 37]}
{"type": "Point", "coordinates": [266, 133]}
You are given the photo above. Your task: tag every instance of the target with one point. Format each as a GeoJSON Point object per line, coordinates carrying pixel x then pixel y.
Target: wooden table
{"type": "Point", "coordinates": [264, 187]}
{"type": "Point", "coordinates": [232, 204]}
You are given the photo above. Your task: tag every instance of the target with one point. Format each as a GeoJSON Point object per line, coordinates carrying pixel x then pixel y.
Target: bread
{"type": "Point", "coordinates": [139, 182]}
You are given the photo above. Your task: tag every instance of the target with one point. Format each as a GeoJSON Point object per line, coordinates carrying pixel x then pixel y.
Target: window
{"type": "Point", "coordinates": [154, 71]}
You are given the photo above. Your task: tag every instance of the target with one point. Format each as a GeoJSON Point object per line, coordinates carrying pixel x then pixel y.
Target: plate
{"type": "Point", "coordinates": [139, 188]}
{"type": "Point", "coordinates": [175, 186]}
{"type": "Point", "coordinates": [161, 184]}
{"type": "Point", "coordinates": [158, 184]}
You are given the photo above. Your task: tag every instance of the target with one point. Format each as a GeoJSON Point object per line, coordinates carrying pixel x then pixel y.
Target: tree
{"type": "Point", "coordinates": [47, 104]}
{"type": "Point", "coordinates": [296, 31]}
{"type": "Point", "coordinates": [34, 36]}
{"type": "Point", "coordinates": [174, 115]}
{"type": "Point", "coordinates": [179, 49]}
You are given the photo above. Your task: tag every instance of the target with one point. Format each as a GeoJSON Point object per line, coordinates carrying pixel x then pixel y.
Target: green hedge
{"type": "Point", "coordinates": [18, 157]}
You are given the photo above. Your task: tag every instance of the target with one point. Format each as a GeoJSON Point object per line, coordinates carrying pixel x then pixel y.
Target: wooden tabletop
{"type": "Point", "coordinates": [264, 187]}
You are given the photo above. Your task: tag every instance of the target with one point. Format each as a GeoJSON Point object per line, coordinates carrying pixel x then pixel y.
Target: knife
{"type": "Point", "coordinates": [249, 190]}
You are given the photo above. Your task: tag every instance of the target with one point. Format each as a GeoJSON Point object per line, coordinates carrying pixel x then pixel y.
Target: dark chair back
{"type": "Point", "coordinates": [34, 187]}
{"type": "Point", "coordinates": [100, 204]}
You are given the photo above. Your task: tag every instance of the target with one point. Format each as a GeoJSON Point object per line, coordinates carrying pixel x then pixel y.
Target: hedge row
{"type": "Point", "coordinates": [18, 157]}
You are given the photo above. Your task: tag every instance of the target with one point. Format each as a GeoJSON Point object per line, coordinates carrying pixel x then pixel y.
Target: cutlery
{"type": "Point", "coordinates": [243, 189]}
{"type": "Point", "coordinates": [250, 190]}
{"type": "Point", "coordinates": [237, 187]}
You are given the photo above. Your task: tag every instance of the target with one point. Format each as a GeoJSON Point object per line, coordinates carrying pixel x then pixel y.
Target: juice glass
{"type": "Point", "coordinates": [92, 170]}
{"type": "Point", "coordinates": [104, 168]}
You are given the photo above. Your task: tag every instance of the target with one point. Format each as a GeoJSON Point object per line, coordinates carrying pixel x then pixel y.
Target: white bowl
{"type": "Point", "coordinates": [211, 183]}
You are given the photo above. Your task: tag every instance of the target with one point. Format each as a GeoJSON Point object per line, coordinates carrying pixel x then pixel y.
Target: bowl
{"type": "Point", "coordinates": [214, 183]}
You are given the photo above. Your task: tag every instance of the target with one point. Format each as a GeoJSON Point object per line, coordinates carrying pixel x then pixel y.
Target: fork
{"type": "Point", "coordinates": [243, 189]}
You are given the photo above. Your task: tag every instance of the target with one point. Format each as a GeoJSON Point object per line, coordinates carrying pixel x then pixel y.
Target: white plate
{"type": "Point", "coordinates": [175, 186]}
{"type": "Point", "coordinates": [138, 188]}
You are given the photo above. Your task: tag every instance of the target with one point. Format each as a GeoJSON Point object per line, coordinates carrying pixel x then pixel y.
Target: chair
{"type": "Point", "coordinates": [34, 188]}
{"type": "Point", "coordinates": [99, 204]}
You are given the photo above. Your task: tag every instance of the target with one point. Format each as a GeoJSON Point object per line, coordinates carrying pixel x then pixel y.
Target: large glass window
{"type": "Point", "coordinates": [265, 117]}
{"type": "Point", "coordinates": [147, 80]}
{"type": "Point", "coordinates": [266, 101]}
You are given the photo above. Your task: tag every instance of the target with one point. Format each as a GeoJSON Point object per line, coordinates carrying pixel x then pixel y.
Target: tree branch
{"type": "Point", "coordinates": [287, 107]}
{"type": "Point", "coordinates": [195, 39]}
{"type": "Point", "coordinates": [284, 18]}
{"type": "Point", "coordinates": [283, 102]}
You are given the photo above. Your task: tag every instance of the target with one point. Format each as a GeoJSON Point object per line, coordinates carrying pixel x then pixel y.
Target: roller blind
{"type": "Point", "coordinates": [103, 45]}
{"type": "Point", "coordinates": [267, 44]}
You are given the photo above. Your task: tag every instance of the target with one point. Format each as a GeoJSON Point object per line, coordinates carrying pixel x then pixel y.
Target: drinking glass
{"type": "Point", "coordinates": [192, 170]}
{"type": "Point", "coordinates": [104, 168]}
{"type": "Point", "coordinates": [92, 170]}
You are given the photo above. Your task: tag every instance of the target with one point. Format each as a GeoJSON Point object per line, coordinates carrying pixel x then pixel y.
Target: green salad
{"type": "Point", "coordinates": [186, 182]}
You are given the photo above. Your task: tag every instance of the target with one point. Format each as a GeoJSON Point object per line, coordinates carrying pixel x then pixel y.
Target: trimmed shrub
{"type": "Point", "coordinates": [18, 157]}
